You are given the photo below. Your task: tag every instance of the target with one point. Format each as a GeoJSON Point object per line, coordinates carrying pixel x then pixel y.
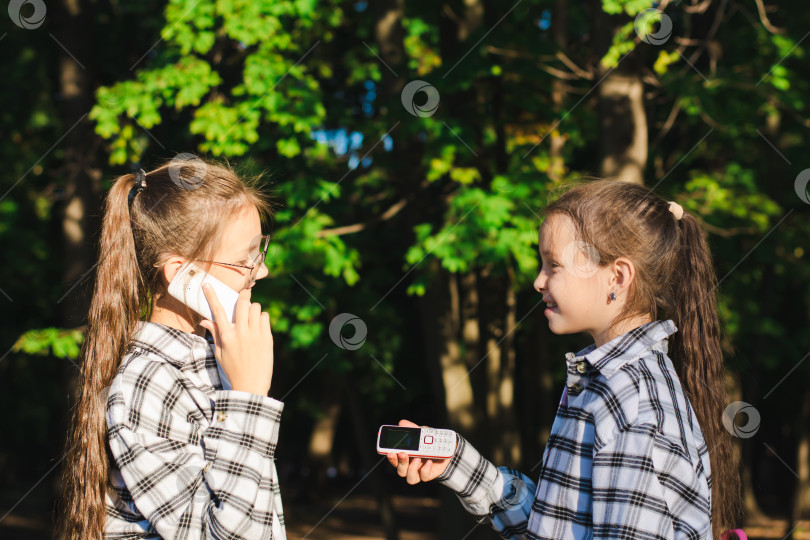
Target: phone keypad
{"type": "Point", "coordinates": [440, 442]}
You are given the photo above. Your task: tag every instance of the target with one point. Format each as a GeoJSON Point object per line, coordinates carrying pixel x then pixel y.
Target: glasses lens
{"type": "Point", "coordinates": [258, 260]}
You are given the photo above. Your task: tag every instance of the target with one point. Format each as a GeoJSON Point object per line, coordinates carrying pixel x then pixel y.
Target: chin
{"type": "Point", "coordinates": [561, 329]}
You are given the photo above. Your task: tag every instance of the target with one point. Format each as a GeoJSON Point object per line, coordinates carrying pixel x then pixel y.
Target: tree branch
{"type": "Point", "coordinates": [764, 18]}
{"type": "Point", "coordinates": [585, 74]}
{"type": "Point", "coordinates": [357, 227]}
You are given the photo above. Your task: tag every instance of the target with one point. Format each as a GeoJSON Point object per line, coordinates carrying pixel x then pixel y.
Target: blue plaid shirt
{"type": "Point", "coordinates": [625, 459]}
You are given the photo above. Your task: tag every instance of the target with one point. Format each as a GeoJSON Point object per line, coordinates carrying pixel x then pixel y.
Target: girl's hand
{"type": "Point", "coordinates": [415, 470]}
{"type": "Point", "coordinates": [244, 348]}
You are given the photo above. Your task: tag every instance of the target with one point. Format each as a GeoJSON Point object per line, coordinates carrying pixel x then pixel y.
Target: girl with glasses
{"type": "Point", "coordinates": [174, 434]}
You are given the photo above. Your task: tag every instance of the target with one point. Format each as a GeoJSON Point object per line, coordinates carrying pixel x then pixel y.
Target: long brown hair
{"type": "Point", "coordinates": [181, 211]}
{"type": "Point", "coordinates": [675, 279]}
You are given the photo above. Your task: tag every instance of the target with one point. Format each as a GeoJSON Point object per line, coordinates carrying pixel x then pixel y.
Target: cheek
{"type": "Point", "coordinates": [230, 277]}
{"type": "Point", "coordinates": [571, 290]}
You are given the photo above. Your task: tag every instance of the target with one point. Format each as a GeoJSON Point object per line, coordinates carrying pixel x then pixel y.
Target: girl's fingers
{"type": "Point", "coordinates": [255, 315]}
{"type": "Point", "coordinates": [265, 323]}
{"type": "Point", "coordinates": [213, 301]}
{"type": "Point", "coordinates": [266, 331]}
{"type": "Point", "coordinates": [402, 464]}
{"type": "Point", "coordinates": [413, 471]}
{"type": "Point", "coordinates": [208, 325]}
{"type": "Point", "coordinates": [425, 473]}
{"type": "Point", "coordinates": [211, 326]}
{"type": "Point", "coordinates": [242, 307]}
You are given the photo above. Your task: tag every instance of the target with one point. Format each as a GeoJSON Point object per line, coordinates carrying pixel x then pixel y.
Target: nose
{"type": "Point", "coordinates": [263, 271]}
{"type": "Point", "coordinates": [540, 282]}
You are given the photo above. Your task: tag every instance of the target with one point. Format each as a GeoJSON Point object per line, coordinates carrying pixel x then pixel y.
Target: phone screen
{"type": "Point", "coordinates": [400, 438]}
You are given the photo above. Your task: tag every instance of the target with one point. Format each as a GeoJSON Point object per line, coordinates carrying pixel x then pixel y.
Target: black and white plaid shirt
{"type": "Point", "coordinates": [191, 458]}
{"type": "Point", "coordinates": [625, 459]}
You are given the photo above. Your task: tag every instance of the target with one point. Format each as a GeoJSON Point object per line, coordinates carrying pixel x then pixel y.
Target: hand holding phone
{"type": "Point", "coordinates": [410, 464]}
{"type": "Point", "coordinates": [243, 348]}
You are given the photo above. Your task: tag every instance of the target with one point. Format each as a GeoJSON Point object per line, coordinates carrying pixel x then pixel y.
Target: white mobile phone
{"type": "Point", "coordinates": [186, 286]}
{"type": "Point", "coordinates": [416, 441]}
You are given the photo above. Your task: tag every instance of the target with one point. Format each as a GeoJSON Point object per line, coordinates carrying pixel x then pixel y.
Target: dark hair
{"type": "Point", "coordinates": [182, 210]}
{"type": "Point", "coordinates": [675, 279]}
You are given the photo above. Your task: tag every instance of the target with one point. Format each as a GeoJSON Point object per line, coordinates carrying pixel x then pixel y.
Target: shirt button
{"type": "Point", "coordinates": [575, 387]}
{"type": "Point", "coordinates": [207, 466]}
{"type": "Point", "coordinates": [221, 416]}
{"type": "Point", "coordinates": [582, 367]}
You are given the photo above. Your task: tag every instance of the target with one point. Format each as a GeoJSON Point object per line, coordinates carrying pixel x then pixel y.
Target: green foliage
{"type": "Point", "coordinates": [55, 341]}
{"type": "Point", "coordinates": [733, 196]}
{"type": "Point", "coordinates": [273, 84]}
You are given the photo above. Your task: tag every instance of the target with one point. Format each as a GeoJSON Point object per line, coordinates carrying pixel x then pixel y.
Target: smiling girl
{"type": "Point", "coordinates": [637, 448]}
{"type": "Point", "coordinates": [174, 435]}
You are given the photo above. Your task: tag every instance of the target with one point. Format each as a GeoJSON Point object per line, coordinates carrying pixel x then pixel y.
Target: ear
{"type": "Point", "coordinates": [624, 272]}
{"type": "Point", "coordinates": [170, 268]}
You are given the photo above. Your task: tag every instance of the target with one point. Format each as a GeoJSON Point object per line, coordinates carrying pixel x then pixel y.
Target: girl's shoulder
{"type": "Point", "coordinates": [645, 394]}
{"type": "Point", "coordinates": [161, 361]}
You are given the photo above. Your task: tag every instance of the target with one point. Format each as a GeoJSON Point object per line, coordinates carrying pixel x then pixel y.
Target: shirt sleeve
{"type": "Point", "coordinates": [500, 495]}
{"type": "Point", "coordinates": [645, 486]}
{"type": "Point", "coordinates": [188, 478]}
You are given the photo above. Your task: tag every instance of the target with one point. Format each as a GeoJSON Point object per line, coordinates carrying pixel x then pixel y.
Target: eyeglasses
{"type": "Point", "coordinates": [256, 262]}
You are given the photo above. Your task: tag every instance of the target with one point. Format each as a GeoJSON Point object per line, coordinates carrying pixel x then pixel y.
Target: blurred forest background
{"type": "Point", "coordinates": [410, 146]}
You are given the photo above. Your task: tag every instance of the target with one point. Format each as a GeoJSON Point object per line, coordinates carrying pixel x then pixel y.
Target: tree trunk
{"type": "Point", "coordinates": [441, 329]}
{"type": "Point", "coordinates": [80, 174]}
{"type": "Point", "coordinates": [745, 448]}
{"type": "Point", "coordinates": [361, 436]}
{"type": "Point", "coordinates": [622, 118]}
{"type": "Point", "coordinates": [471, 352]}
{"type": "Point", "coordinates": [321, 442]}
{"type": "Point", "coordinates": [507, 417]}
{"type": "Point", "coordinates": [498, 360]}
{"type": "Point", "coordinates": [559, 28]}
{"type": "Point", "coordinates": [80, 166]}
{"type": "Point", "coordinates": [457, 386]}
{"type": "Point", "coordinates": [801, 499]}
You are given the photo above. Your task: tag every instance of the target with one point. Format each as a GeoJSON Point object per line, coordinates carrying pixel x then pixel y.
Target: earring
{"type": "Point", "coordinates": [613, 296]}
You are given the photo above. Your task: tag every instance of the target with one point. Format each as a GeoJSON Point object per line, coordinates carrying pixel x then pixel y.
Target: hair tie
{"type": "Point", "coordinates": [137, 187]}
{"type": "Point", "coordinates": [676, 209]}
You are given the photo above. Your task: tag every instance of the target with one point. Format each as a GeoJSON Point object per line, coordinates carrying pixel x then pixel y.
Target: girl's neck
{"type": "Point", "coordinates": [169, 312]}
{"type": "Point", "coordinates": [613, 331]}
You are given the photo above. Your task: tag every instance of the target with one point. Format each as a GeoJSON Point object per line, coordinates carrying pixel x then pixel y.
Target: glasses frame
{"type": "Point", "coordinates": [257, 260]}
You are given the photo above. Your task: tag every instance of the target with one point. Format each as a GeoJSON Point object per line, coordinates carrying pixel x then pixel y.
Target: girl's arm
{"type": "Point", "coordinates": [187, 477]}
{"type": "Point", "coordinates": [500, 495]}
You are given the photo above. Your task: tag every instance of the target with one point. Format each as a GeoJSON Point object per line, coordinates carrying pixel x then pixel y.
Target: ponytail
{"type": "Point", "coordinates": [114, 313]}
{"type": "Point", "coordinates": [698, 358]}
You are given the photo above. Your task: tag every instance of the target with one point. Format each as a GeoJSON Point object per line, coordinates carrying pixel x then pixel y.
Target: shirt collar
{"type": "Point", "coordinates": [613, 355]}
{"type": "Point", "coordinates": [173, 345]}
